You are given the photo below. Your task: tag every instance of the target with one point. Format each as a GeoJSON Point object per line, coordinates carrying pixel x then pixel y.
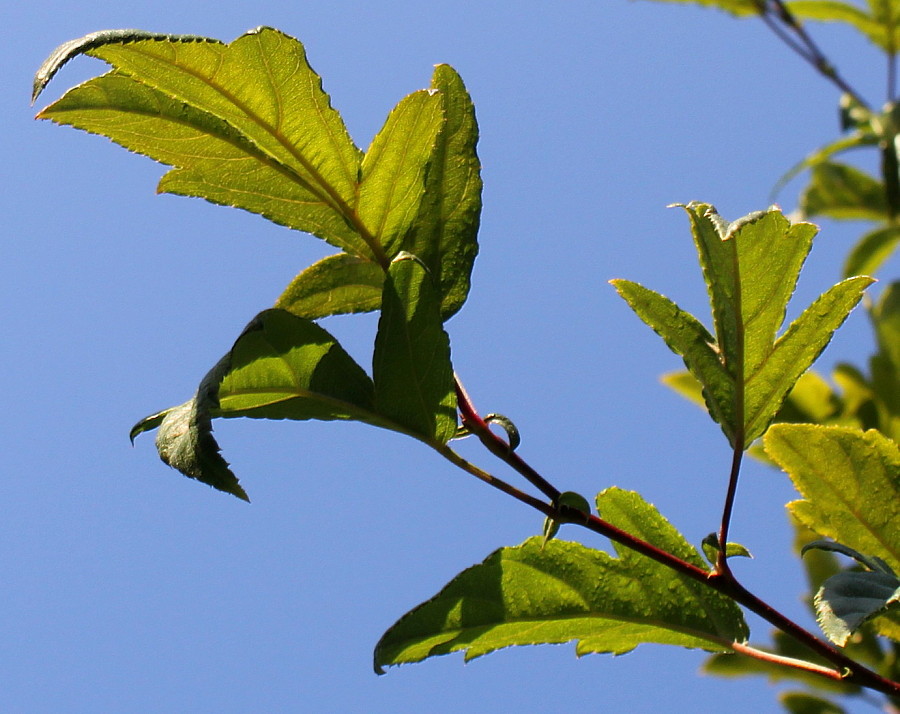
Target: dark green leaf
{"type": "Point", "coordinates": [446, 229]}
{"type": "Point", "coordinates": [841, 191]}
{"type": "Point", "coordinates": [411, 367]}
{"type": "Point", "coordinates": [849, 599]}
{"type": "Point", "coordinates": [335, 285]}
{"type": "Point", "coordinates": [571, 499]}
{"type": "Point", "coordinates": [711, 549]}
{"type": "Point", "coordinates": [534, 594]}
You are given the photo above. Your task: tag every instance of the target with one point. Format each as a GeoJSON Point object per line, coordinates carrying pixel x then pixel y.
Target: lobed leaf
{"type": "Point", "coordinates": [795, 351]}
{"type": "Point", "coordinates": [414, 383]}
{"type": "Point", "coordinates": [687, 337]}
{"type": "Point", "coordinates": [557, 592]}
{"type": "Point", "coordinates": [245, 124]}
{"type": "Point", "coordinates": [850, 483]}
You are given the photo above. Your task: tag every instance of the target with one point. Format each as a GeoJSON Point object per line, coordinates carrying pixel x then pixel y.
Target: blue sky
{"type": "Point", "coordinates": [128, 588]}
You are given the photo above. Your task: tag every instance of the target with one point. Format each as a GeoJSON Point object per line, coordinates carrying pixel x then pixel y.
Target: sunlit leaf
{"type": "Point", "coordinates": [335, 285]}
{"type": "Point", "coordinates": [751, 268]}
{"type": "Point", "coordinates": [245, 124]}
{"type": "Point", "coordinates": [846, 13]}
{"type": "Point", "coordinates": [411, 365]}
{"type": "Point", "coordinates": [558, 592]}
{"type": "Point", "coordinates": [395, 168]}
{"type": "Point", "coordinates": [850, 483]}
{"type": "Point", "coordinates": [447, 226]}
{"type": "Point", "coordinates": [687, 337]}
{"type": "Point", "coordinates": [739, 8]}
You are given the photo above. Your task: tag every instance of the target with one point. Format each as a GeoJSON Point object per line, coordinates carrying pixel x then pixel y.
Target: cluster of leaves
{"type": "Point", "coordinates": [247, 124]}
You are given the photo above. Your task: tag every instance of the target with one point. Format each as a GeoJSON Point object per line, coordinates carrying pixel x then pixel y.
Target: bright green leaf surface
{"type": "Point", "coordinates": [411, 367]}
{"type": "Point", "coordinates": [395, 168]}
{"type": "Point", "coordinates": [245, 124]}
{"type": "Point", "coordinates": [286, 367]}
{"type": "Point", "coordinates": [751, 268]}
{"type": "Point", "coordinates": [870, 252]}
{"type": "Point", "coordinates": [447, 226]}
{"type": "Point", "coordinates": [336, 285]}
{"type": "Point", "coordinates": [559, 592]}
{"type": "Point", "coordinates": [794, 353]}
{"type": "Point", "coordinates": [841, 191]}
{"type": "Point", "coordinates": [833, 11]}
{"type": "Point", "coordinates": [850, 481]}
{"type": "Point", "coordinates": [687, 337]}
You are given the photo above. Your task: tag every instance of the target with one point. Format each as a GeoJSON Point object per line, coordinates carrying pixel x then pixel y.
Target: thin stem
{"type": "Point", "coordinates": [774, 11]}
{"type": "Point", "coordinates": [785, 661]}
{"type": "Point", "coordinates": [721, 559]}
{"type": "Point", "coordinates": [499, 448]}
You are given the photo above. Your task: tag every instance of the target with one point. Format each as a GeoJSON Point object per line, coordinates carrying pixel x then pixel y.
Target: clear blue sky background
{"type": "Point", "coordinates": [127, 588]}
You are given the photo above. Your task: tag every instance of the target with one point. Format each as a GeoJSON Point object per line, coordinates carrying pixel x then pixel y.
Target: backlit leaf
{"type": "Point", "coordinates": [335, 285]}
{"type": "Point", "coordinates": [447, 226]}
{"type": "Point", "coordinates": [557, 592]}
{"type": "Point", "coordinates": [395, 168]}
{"type": "Point", "coordinates": [850, 483]}
{"type": "Point", "coordinates": [245, 124]}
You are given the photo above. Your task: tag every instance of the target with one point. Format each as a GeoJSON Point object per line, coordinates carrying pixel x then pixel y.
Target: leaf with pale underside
{"type": "Point", "coordinates": [244, 124]}
{"type": "Point", "coordinates": [539, 593]}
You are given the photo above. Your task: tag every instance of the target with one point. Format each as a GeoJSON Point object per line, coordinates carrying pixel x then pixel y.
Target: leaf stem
{"type": "Point", "coordinates": [728, 508]}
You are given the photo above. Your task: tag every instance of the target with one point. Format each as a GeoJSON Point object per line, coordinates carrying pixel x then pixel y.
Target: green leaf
{"type": "Point", "coordinates": [336, 285]}
{"type": "Point", "coordinates": [395, 168]}
{"type": "Point", "coordinates": [414, 383]}
{"type": "Point", "coordinates": [803, 703]}
{"type": "Point", "coordinates": [860, 138]}
{"type": "Point", "coordinates": [711, 549]}
{"type": "Point", "coordinates": [850, 481]}
{"type": "Point", "coordinates": [886, 319]}
{"type": "Point", "coordinates": [751, 268]}
{"type": "Point", "coordinates": [687, 337]}
{"type": "Point", "coordinates": [564, 591]}
{"type": "Point", "coordinates": [245, 124]}
{"type": "Point", "coordinates": [446, 228]}
{"type": "Point", "coordinates": [871, 251]}
{"type": "Point", "coordinates": [844, 192]}
{"type": "Point", "coordinates": [795, 351]}
{"type": "Point", "coordinates": [833, 11]}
